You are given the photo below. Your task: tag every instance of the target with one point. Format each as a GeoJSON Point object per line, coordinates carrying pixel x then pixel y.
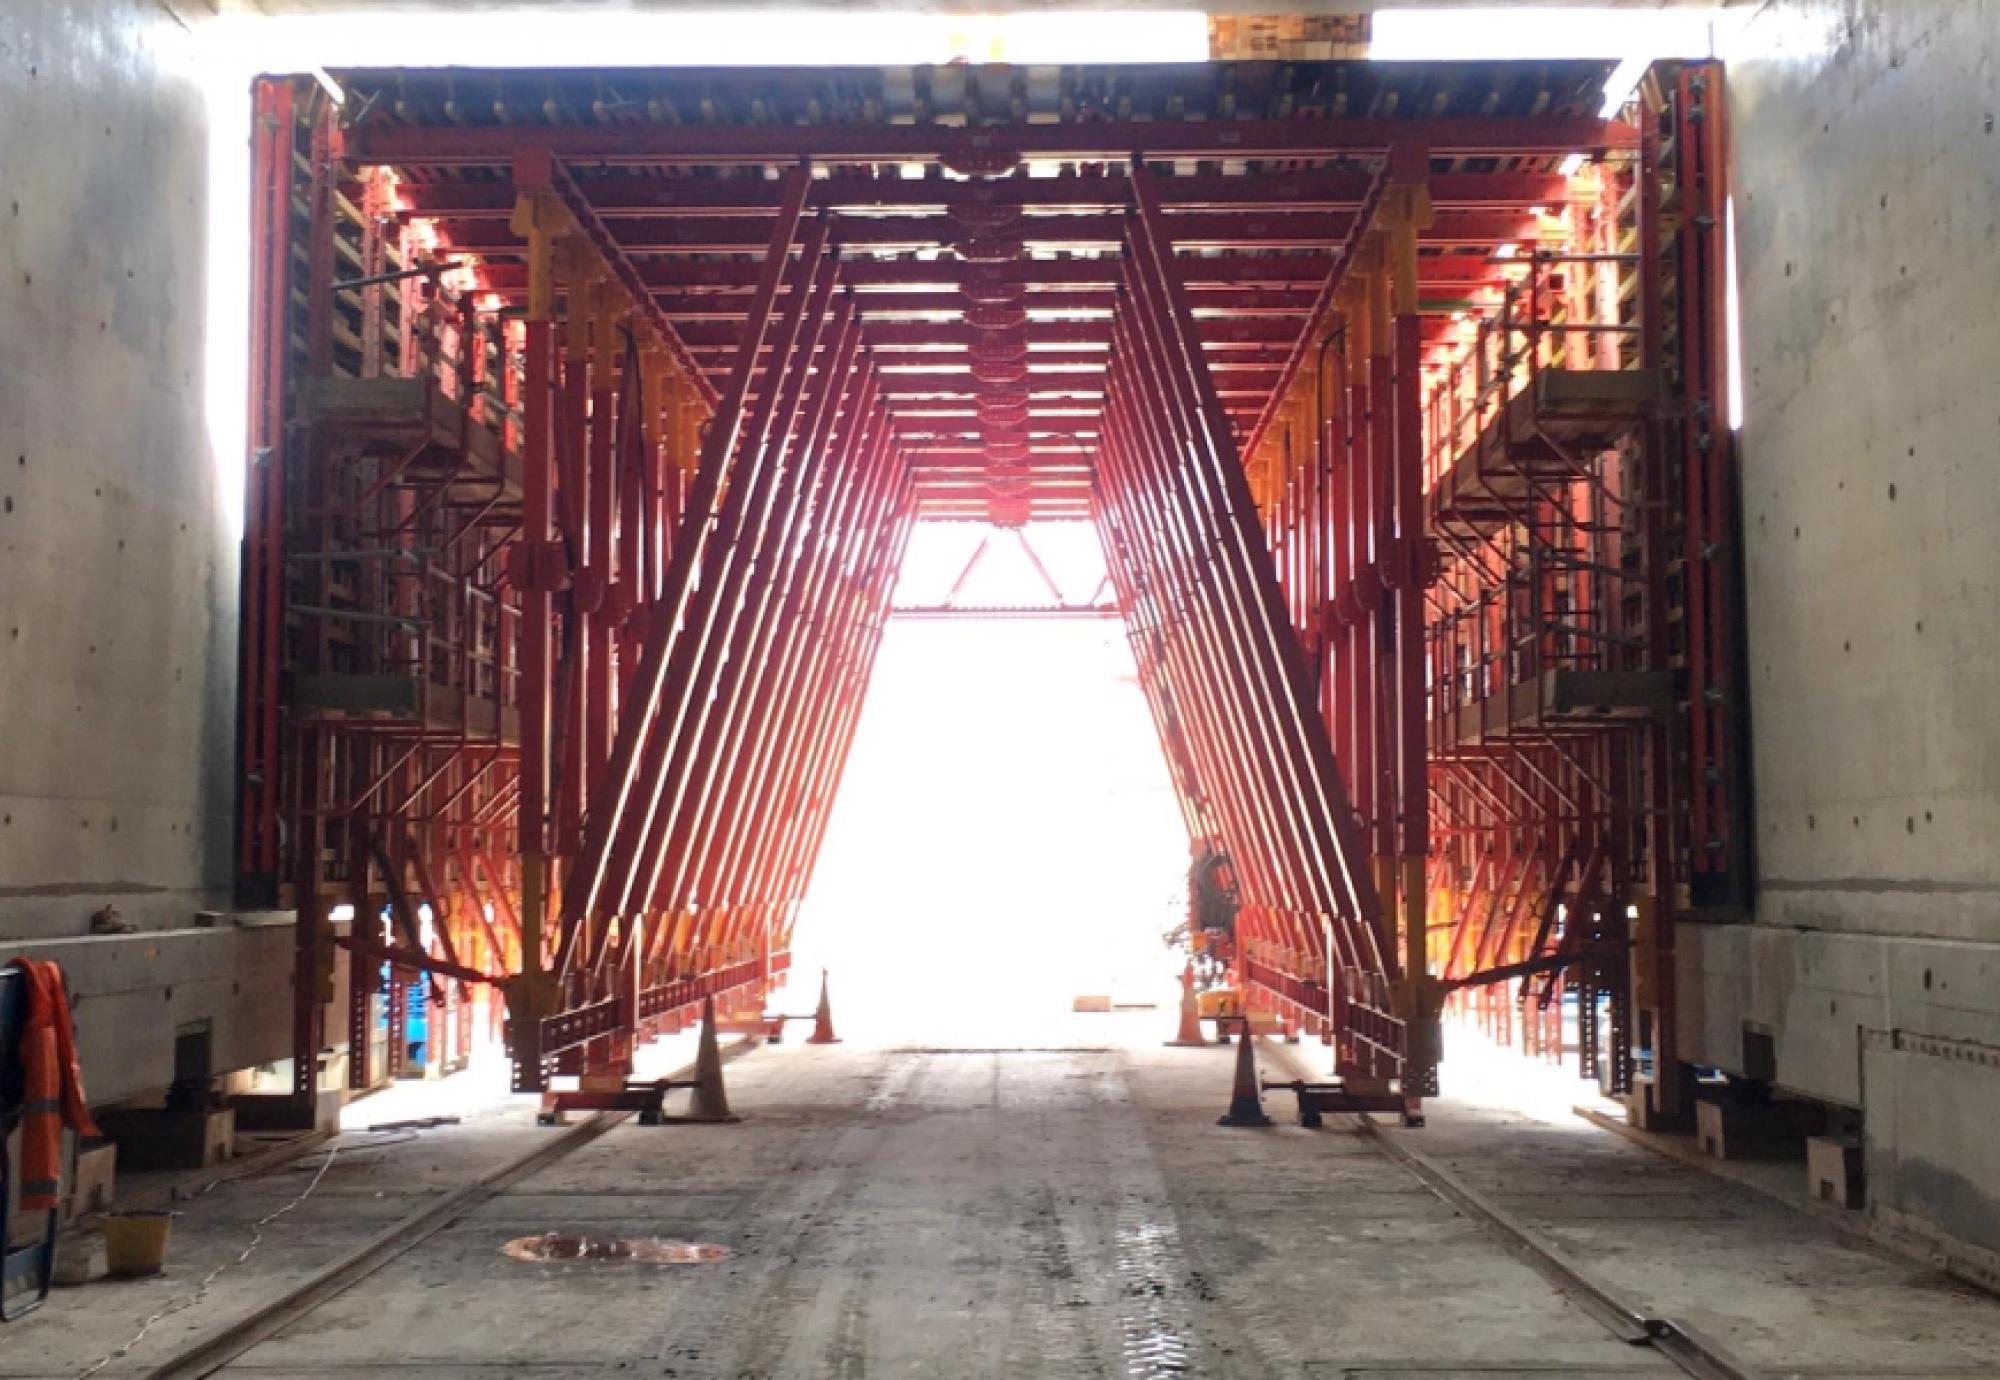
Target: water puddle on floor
{"type": "Point", "coordinates": [562, 1247]}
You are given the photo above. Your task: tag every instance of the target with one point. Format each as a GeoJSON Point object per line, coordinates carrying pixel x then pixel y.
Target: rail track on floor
{"type": "Point", "coordinates": [216, 1352]}
{"type": "Point", "coordinates": [1625, 1318]}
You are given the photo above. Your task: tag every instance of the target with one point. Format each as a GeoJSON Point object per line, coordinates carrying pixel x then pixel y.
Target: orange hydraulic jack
{"type": "Point", "coordinates": [1190, 1031]}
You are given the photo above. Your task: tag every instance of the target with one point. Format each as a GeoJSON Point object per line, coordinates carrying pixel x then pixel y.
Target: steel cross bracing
{"type": "Point", "coordinates": [696, 853]}
{"type": "Point", "coordinates": [591, 425]}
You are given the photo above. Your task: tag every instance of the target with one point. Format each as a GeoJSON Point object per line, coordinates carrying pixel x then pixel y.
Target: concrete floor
{"type": "Point", "coordinates": [1070, 1210]}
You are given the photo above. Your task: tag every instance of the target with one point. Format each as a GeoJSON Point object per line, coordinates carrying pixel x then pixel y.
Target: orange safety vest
{"type": "Point", "coordinates": [52, 1085]}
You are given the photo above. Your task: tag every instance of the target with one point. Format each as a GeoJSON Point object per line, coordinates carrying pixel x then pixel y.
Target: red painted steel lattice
{"type": "Point", "coordinates": [593, 411]}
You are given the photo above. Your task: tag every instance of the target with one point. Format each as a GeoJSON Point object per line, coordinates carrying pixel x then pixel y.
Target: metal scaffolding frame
{"type": "Point", "coordinates": [587, 438]}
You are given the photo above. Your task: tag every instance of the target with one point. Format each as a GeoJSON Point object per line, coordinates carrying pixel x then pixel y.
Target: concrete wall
{"type": "Point", "coordinates": [118, 566]}
{"type": "Point", "coordinates": [1868, 211]}
{"type": "Point", "coordinates": [118, 551]}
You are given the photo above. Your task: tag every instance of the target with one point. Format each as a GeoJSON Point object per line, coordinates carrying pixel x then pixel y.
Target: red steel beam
{"type": "Point", "coordinates": [1201, 231]}
{"type": "Point", "coordinates": [1095, 140]}
{"type": "Point", "coordinates": [886, 284]}
{"type": "Point", "coordinates": [617, 194]}
{"type": "Point", "coordinates": [661, 768]}
{"type": "Point", "coordinates": [718, 752]}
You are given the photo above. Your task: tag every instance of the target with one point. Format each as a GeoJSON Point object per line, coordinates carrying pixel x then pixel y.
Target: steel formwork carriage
{"type": "Point", "coordinates": [594, 409]}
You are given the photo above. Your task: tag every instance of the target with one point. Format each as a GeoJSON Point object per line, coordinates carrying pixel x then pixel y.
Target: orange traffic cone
{"type": "Point", "coordinates": [1246, 1102]}
{"type": "Point", "coordinates": [711, 1101]}
{"type": "Point", "coordinates": [823, 1018]}
{"type": "Point", "coordinates": [1190, 1031]}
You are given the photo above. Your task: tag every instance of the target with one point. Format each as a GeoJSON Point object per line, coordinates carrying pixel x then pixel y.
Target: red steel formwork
{"type": "Point", "coordinates": [593, 411]}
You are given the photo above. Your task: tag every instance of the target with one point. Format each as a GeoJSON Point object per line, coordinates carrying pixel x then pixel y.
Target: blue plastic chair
{"type": "Point", "coordinates": [36, 1264]}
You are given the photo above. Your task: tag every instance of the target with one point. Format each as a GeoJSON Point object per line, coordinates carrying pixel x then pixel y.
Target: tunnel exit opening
{"type": "Point", "coordinates": [1005, 840]}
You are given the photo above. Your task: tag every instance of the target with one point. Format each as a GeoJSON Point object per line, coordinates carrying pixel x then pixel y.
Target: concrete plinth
{"type": "Point", "coordinates": [1752, 1130]}
{"type": "Point", "coordinates": [171, 1140]}
{"type": "Point", "coordinates": [1836, 1170]}
{"type": "Point", "coordinates": [286, 1112]}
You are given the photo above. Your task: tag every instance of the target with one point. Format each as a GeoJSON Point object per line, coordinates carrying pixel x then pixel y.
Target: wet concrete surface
{"type": "Point", "coordinates": [1071, 1210]}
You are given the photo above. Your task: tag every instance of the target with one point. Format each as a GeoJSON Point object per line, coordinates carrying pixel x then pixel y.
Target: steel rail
{"type": "Point", "coordinates": [1696, 1354]}
{"type": "Point", "coordinates": [218, 1350]}
{"type": "Point", "coordinates": [1625, 1318]}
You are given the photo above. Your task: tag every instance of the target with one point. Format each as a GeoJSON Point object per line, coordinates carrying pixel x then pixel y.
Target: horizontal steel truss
{"type": "Point", "coordinates": [1059, 604]}
{"type": "Point", "coordinates": [1085, 141]}
{"type": "Point", "coordinates": [705, 810]}
{"type": "Point", "coordinates": [1251, 242]}
{"type": "Point", "coordinates": [1226, 680]}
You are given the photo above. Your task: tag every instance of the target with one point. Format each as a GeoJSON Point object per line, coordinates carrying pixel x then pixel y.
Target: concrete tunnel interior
{"type": "Point", "coordinates": [692, 703]}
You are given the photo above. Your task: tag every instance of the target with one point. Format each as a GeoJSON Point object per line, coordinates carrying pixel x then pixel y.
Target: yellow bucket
{"type": "Point", "coordinates": [135, 1243]}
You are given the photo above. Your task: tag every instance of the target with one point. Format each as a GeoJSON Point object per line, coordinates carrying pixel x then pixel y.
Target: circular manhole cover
{"type": "Point", "coordinates": [563, 1246]}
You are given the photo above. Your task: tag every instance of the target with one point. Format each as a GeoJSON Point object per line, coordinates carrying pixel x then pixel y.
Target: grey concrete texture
{"type": "Point", "coordinates": [118, 555]}
{"type": "Point", "coordinates": [1865, 158]}
{"type": "Point", "coordinates": [1867, 169]}
{"type": "Point", "coordinates": [130, 995]}
{"type": "Point", "coordinates": [1064, 1211]}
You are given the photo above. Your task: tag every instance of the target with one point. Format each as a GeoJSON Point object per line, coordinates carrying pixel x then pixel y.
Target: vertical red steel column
{"type": "Point", "coordinates": [264, 507]}
{"type": "Point", "coordinates": [260, 765]}
{"type": "Point", "coordinates": [1406, 212]}
{"type": "Point", "coordinates": [599, 612]}
{"type": "Point", "coordinates": [1363, 644]}
{"type": "Point", "coordinates": [535, 571]}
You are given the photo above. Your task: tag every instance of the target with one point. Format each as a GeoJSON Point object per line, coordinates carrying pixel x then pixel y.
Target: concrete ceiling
{"type": "Point", "coordinates": [301, 7]}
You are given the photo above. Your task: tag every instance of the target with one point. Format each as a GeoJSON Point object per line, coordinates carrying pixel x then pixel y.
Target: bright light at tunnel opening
{"type": "Point", "coordinates": [1474, 33]}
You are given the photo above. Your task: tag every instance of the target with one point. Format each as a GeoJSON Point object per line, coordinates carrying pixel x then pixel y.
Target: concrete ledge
{"type": "Point", "coordinates": [133, 994]}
